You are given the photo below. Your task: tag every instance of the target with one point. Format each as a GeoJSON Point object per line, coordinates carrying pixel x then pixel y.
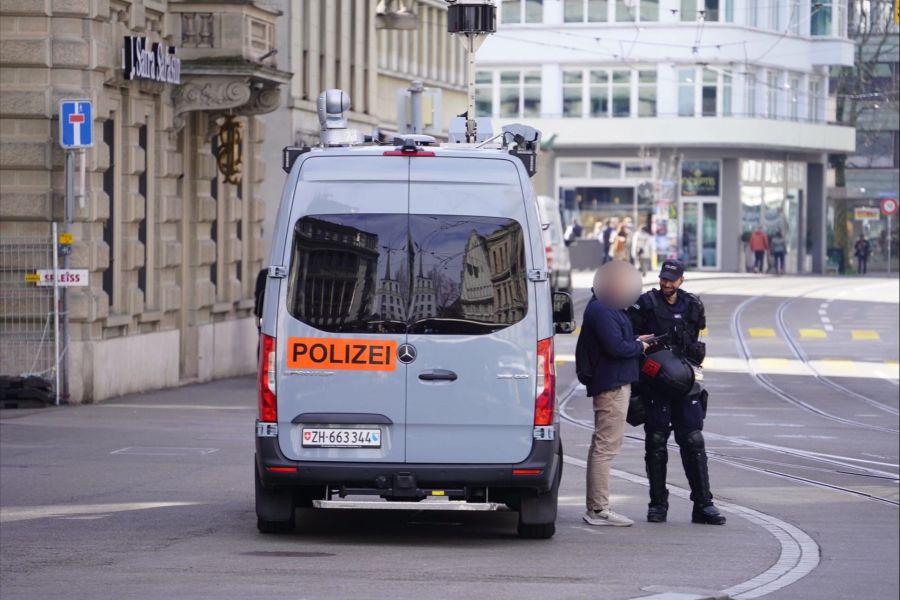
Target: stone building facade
{"type": "Point", "coordinates": [183, 180]}
{"type": "Point", "coordinates": [169, 227]}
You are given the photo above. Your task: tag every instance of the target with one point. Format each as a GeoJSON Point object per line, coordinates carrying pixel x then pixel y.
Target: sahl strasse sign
{"type": "Point", "coordinates": [155, 63]}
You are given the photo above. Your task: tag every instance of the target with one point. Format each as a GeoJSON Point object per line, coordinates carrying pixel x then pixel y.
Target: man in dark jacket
{"type": "Point", "coordinates": [614, 354]}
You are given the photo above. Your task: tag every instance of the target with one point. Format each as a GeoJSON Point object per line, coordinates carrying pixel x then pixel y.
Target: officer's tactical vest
{"type": "Point", "coordinates": [684, 332]}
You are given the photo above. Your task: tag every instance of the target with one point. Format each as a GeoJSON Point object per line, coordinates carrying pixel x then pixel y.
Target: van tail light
{"type": "Point", "coordinates": [549, 251]}
{"type": "Point", "coordinates": [545, 401]}
{"type": "Point", "coordinates": [268, 404]}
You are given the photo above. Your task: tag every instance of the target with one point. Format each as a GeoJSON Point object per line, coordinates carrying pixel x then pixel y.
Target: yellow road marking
{"type": "Point", "coordinates": [761, 332]}
{"type": "Point", "coordinates": [839, 365]}
{"type": "Point", "coordinates": [813, 334]}
{"type": "Point", "coordinates": [864, 334]}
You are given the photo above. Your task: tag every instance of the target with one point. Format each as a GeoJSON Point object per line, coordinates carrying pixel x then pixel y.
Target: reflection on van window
{"type": "Point", "coordinates": [398, 273]}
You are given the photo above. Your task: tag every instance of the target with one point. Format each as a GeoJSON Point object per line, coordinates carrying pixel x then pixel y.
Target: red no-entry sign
{"type": "Point", "coordinates": [888, 206]}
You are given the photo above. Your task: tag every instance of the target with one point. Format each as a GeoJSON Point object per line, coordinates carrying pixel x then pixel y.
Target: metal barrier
{"type": "Point", "coordinates": [28, 331]}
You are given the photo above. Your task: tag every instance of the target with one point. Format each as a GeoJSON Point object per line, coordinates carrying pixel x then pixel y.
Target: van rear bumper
{"type": "Point", "coordinates": [537, 472]}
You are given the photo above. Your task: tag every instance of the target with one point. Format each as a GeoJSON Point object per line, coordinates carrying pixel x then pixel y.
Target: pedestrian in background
{"type": "Point", "coordinates": [861, 250]}
{"type": "Point", "coordinates": [572, 232]}
{"type": "Point", "coordinates": [609, 368]}
{"type": "Point", "coordinates": [606, 238]}
{"type": "Point", "coordinates": [759, 244]}
{"type": "Point", "coordinates": [778, 248]}
{"type": "Point", "coordinates": [642, 249]}
{"type": "Point", "coordinates": [618, 249]}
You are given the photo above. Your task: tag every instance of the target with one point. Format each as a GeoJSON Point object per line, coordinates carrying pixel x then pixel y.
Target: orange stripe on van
{"type": "Point", "coordinates": [341, 354]}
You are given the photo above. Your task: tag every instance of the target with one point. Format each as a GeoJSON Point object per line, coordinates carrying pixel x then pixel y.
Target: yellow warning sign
{"type": "Point", "coordinates": [66, 239]}
{"type": "Point", "coordinates": [32, 277]}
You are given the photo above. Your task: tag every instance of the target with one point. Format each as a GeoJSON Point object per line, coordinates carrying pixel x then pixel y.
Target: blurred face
{"type": "Point", "coordinates": [617, 284]}
{"type": "Point", "coordinates": [669, 288]}
{"type": "Point", "coordinates": [614, 222]}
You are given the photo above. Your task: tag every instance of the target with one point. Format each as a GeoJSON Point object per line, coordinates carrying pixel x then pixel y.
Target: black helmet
{"type": "Point", "coordinates": [667, 374]}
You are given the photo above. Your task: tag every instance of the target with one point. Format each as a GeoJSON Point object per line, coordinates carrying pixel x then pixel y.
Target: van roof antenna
{"type": "Point", "coordinates": [471, 21]}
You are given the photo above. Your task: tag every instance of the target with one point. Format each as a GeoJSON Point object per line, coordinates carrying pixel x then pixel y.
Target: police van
{"type": "Point", "coordinates": [406, 347]}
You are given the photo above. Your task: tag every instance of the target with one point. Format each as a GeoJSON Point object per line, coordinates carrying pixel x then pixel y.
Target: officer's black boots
{"type": "Point", "coordinates": [693, 456]}
{"type": "Point", "coordinates": [655, 459]}
{"type": "Point", "coordinates": [708, 515]}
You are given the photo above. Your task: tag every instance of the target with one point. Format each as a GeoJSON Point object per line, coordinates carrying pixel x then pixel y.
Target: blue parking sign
{"type": "Point", "coordinates": [76, 124]}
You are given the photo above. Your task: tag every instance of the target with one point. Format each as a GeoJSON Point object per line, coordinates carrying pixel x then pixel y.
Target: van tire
{"type": "Point", "coordinates": [537, 532]}
{"type": "Point", "coordinates": [274, 508]}
{"type": "Point", "coordinates": [537, 513]}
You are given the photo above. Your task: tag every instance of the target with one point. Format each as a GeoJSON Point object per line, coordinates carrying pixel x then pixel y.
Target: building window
{"type": "Point", "coordinates": [573, 93]}
{"type": "Point", "coordinates": [649, 10]}
{"type": "Point", "coordinates": [775, 16]}
{"type": "Point", "coordinates": [621, 93]}
{"type": "Point", "coordinates": [109, 225]}
{"type": "Point", "coordinates": [214, 226]}
{"type": "Point", "coordinates": [750, 93]}
{"type": "Point", "coordinates": [599, 91]}
{"type": "Point", "coordinates": [484, 93]}
{"type": "Point", "coordinates": [875, 150]}
{"type": "Point", "coordinates": [709, 93]}
{"type": "Point", "coordinates": [820, 17]}
{"type": "Point", "coordinates": [753, 13]}
{"type": "Point", "coordinates": [794, 18]}
{"type": "Point", "coordinates": [142, 223]}
{"type": "Point", "coordinates": [728, 17]}
{"type": "Point", "coordinates": [646, 93]}
{"type": "Point", "coordinates": [699, 10]}
{"type": "Point", "coordinates": [727, 108]}
{"type": "Point", "coordinates": [520, 94]}
{"type": "Point", "coordinates": [794, 97]}
{"type": "Point", "coordinates": [624, 12]}
{"type": "Point", "coordinates": [814, 107]}
{"type": "Point", "coordinates": [522, 11]}
{"type": "Point", "coordinates": [585, 11]}
{"type": "Point", "coordinates": [686, 92]}
{"type": "Point", "coordinates": [773, 94]}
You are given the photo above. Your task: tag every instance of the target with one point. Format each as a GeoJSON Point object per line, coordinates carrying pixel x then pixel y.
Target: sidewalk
{"type": "Point", "coordinates": [584, 280]}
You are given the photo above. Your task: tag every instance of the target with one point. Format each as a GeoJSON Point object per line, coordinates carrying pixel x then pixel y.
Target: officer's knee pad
{"type": "Point", "coordinates": [694, 441]}
{"type": "Point", "coordinates": [656, 441]}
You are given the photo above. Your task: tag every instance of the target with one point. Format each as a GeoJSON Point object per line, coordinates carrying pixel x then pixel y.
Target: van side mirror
{"type": "Point", "coordinates": [563, 313]}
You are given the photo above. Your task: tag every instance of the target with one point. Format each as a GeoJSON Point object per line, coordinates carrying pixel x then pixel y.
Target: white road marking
{"type": "Point", "coordinates": [163, 451]}
{"type": "Point", "coordinates": [177, 406]}
{"type": "Point", "coordinates": [588, 529]}
{"type": "Point", "coordinates": [799, 553]}
{"type": "Point", "coordinates": [826, 320]}
{"type": "Point", "coordinates": [829, 327]}
{"type": "Point", "coordinates": [12, 514]}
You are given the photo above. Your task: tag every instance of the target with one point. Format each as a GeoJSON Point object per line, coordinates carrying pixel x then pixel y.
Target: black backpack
{"type": "Point", "coordinates": [584, 358]}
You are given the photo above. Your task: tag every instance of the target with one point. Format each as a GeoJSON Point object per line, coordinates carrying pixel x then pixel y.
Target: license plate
{"type": "Point", "coordinates": [341, 438]}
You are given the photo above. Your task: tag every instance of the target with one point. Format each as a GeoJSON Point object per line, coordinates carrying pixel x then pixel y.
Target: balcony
{"type": "Point", "coordinates": [713, 132]}
{"type": "Point", "coordinates": [228, 51]}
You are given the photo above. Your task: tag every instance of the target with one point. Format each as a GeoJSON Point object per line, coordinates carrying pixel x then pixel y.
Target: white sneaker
{"type": "Point", "coordinates": [606, 517]}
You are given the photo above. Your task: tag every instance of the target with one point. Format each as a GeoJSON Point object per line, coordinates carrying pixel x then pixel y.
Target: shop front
{"type": "Point", "coordinates": [701, 205]}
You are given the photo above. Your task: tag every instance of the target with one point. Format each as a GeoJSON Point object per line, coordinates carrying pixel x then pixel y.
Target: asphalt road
{"type": "Point", "coordinates": [151, 496]}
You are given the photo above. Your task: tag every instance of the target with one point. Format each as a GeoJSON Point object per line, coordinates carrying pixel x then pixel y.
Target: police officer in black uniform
{"type": "Point", "coordinates": [672, 311]}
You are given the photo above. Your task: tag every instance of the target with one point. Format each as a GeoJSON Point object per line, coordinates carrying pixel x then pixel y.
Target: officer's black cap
{"type": "Point", "coordinates": [672, 270]}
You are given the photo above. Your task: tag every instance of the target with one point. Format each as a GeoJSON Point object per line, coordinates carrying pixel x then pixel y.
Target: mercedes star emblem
{"type": "Point", "coordinates": [406, 353]}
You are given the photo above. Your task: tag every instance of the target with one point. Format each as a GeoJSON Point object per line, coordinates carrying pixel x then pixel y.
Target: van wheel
{"type": "Point", "coordinates": [537, 513]}
{"type": "Point", "coordinates": [544, 531]}
{"type": "Point", "coordinates": [274, 508]}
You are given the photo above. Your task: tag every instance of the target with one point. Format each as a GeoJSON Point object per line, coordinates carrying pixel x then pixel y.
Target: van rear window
{"type": "Point", "coordinates": [397, 273]}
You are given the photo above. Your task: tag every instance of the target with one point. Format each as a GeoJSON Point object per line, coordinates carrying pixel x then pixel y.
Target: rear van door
{"type": "Point", "coordinates": [341, 391]}
{"type": "Point", "coordinates": [473, 328]}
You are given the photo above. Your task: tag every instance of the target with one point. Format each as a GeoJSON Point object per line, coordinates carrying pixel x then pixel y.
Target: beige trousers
{"type": "Point", "coordinates": [610, 409]}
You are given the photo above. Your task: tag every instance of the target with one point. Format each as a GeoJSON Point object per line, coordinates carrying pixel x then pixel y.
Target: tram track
{"type": "Point", "coordinates": [765, 382]}
{"type": "Point", "coordinates": [738, 462]}
{"type": "Point", "coordinates": [798, 352]}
